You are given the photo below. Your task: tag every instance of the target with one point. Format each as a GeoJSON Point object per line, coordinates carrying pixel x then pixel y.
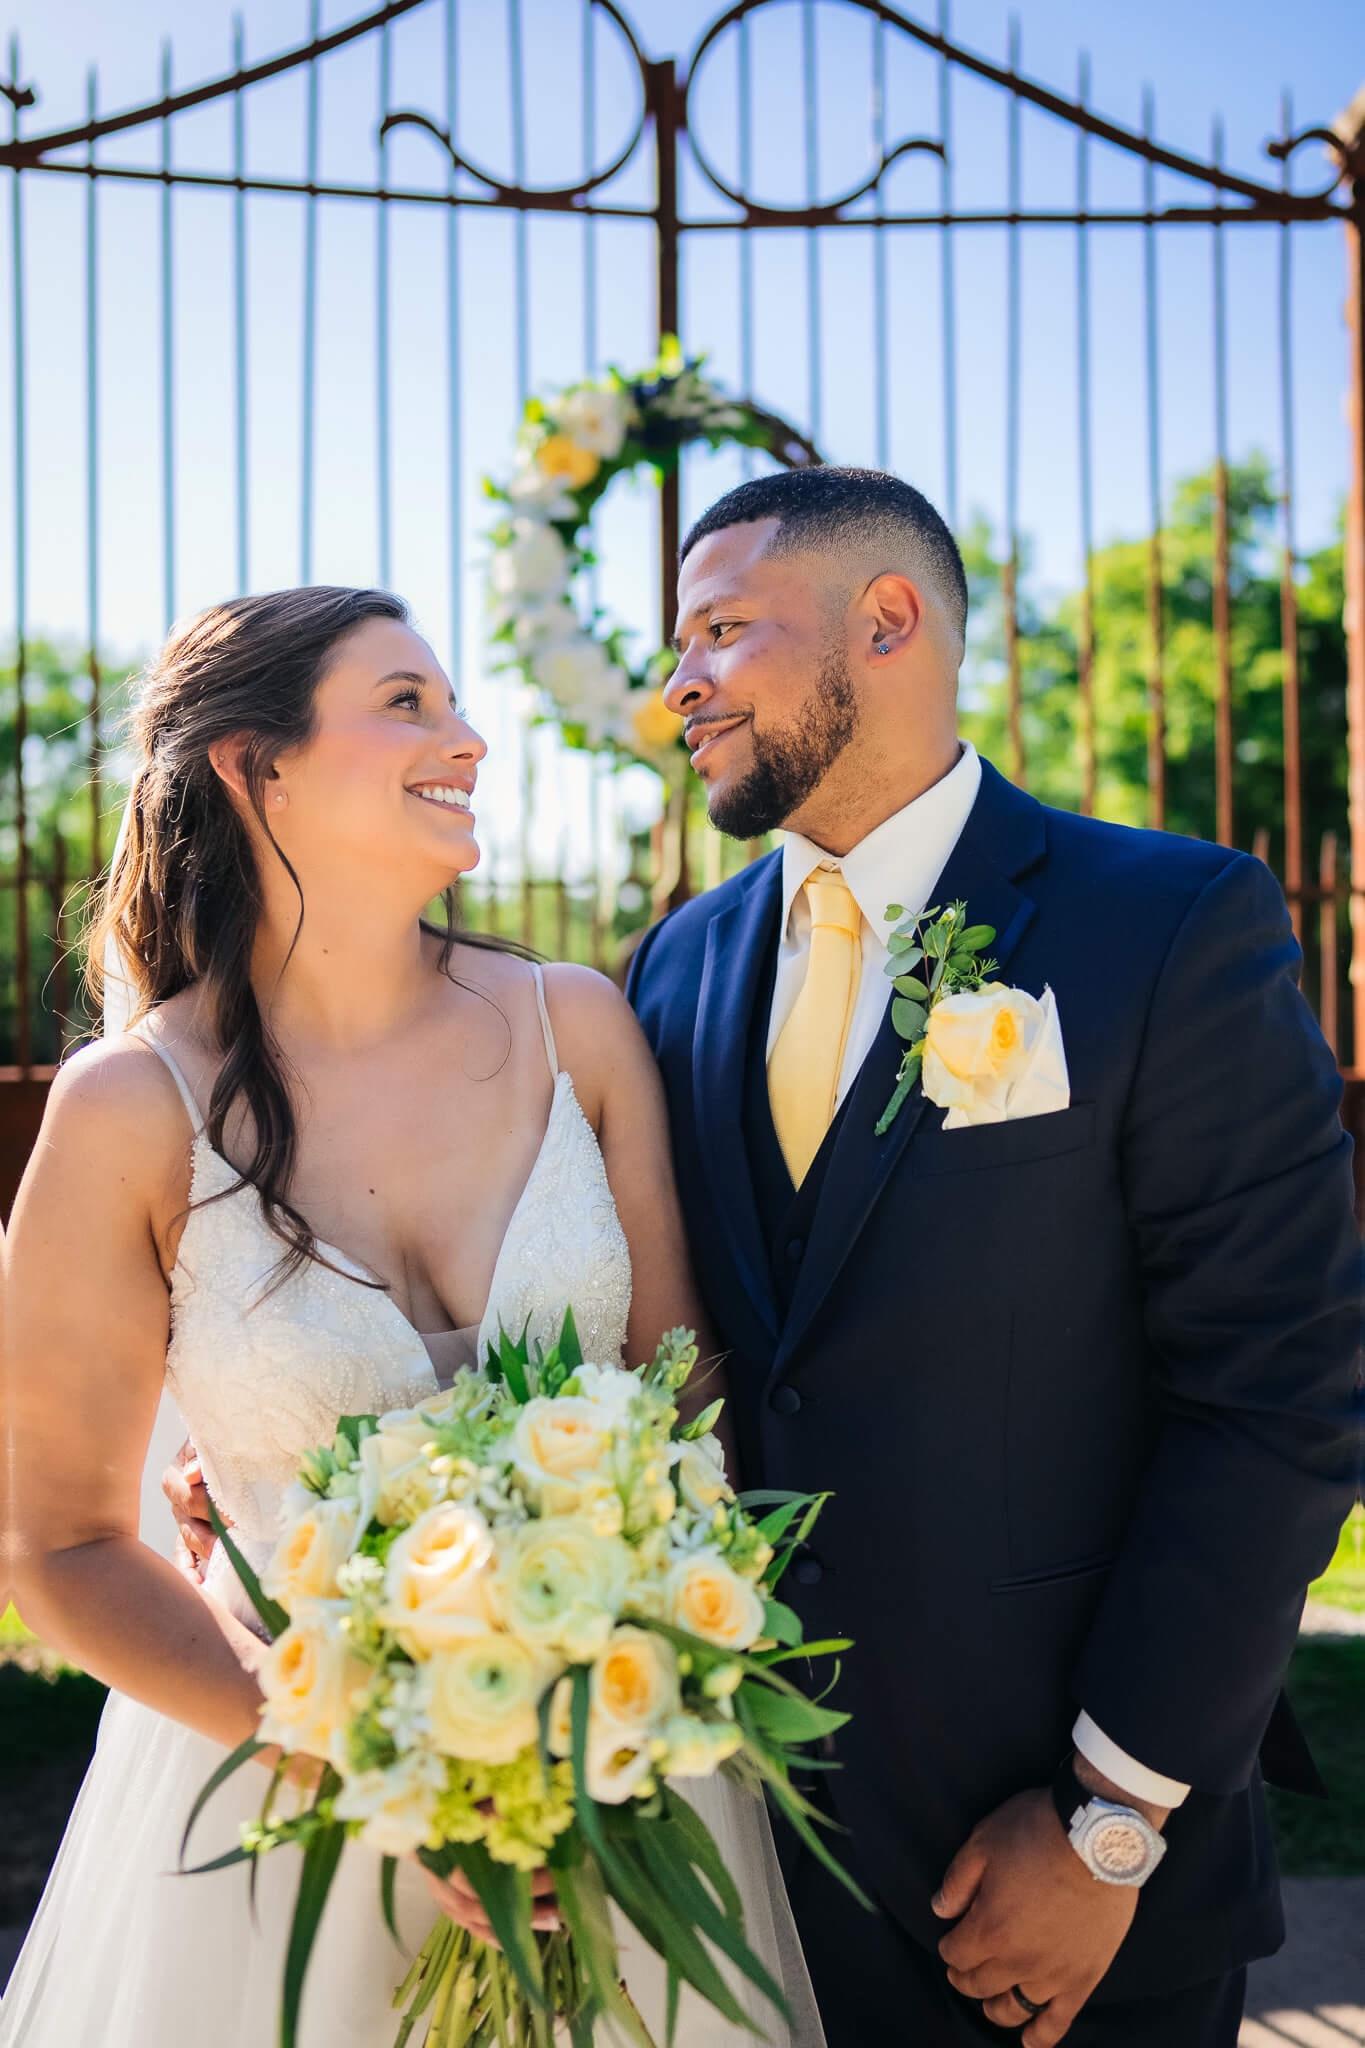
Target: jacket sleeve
{"type": "Point", "coordinates": [1238, 1190]}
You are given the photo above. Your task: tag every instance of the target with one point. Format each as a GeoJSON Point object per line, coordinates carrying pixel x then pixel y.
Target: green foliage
{"type": "Point", "coordinates": [1049, 656]}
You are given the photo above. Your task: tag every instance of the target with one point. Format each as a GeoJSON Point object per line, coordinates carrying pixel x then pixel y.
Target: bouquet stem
{"type": "Point", "coordinates": [474, 1997]}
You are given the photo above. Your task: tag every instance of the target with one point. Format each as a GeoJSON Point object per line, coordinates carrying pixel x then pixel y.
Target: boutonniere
{"type": "Point", "coordinates": [987, 1053]}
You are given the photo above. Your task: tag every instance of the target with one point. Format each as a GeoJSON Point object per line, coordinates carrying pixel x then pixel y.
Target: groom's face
{"type": "Point", "coordinates": [762, 682]}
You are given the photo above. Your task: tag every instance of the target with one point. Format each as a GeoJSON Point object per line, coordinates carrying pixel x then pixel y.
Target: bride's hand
{"type": "Point", "coordinates": [182, 1482]}
{"type": "Point", "coordinates": [457, 1898]}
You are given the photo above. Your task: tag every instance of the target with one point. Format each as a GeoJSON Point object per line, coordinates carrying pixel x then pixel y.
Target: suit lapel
{"type": "Point", "coordinates": [1003, 836]}
{"type": "Point", "coordinates": [738, 945]}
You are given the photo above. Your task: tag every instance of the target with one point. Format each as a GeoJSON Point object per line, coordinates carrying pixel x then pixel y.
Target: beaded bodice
{"type": "Point", "coordinates": [261, 1376]}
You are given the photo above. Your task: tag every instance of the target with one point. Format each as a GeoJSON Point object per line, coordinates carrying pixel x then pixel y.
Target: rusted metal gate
{"type": "Point", "coordinates": [669, 133]}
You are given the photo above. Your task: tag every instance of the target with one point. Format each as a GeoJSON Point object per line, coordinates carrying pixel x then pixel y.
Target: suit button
{"type": "Point", "coordinates": [808, 1571]}
{"type": "Point", "coordinates": [786, 1401]}
{"type": "Point", "coordinates": [796, 1249]}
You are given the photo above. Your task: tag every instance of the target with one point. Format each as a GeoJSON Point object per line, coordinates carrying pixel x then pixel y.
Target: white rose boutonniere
{"type": "Point", "coordinates": [985, 1052]}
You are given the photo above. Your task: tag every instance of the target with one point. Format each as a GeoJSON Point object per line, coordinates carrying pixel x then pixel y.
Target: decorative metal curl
{"type": "Point", "coordinates": [755, 215]}
{"type": "Point", "coordinates": [535, 196]}
{"type": "Point", "coordinates": [19, 96]}
{"type": "Point", "coordinates": [1351, 156]}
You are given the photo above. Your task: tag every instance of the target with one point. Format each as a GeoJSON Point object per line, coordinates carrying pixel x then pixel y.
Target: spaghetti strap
{"type": "Point", "coordinates": [164, 1054]}
{"type": "Point", "coordinates": [550, 1053]}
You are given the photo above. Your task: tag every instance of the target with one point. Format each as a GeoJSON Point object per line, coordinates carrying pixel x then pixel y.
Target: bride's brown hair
{"type": "Point", "coordinates": [183, 896]}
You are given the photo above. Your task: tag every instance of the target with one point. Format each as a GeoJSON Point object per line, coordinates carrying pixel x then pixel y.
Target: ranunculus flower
{"type": "Point", "coordinates": [484, 1695]}
{"type": "Point", "coordinates": [560, 1585]}
{"type": "Point", "coordinates": [311, 1552]}
{"type": "Point", "coordinates": [697, 1748]}
{"type": "Point", "coordinates": [710, 1600]}
{"type": "Point", "coordinates": [438, 1580]}
{"type": "Point", "coordinates": [397, 1805]}
{"type": "Point", "coordinates": [311, 1680]}
{"type": "Point", "coordinates": [635, 1681]}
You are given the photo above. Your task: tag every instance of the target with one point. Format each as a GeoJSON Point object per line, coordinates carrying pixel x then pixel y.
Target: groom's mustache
{"type": "Point", "coordinates": [697, 726]}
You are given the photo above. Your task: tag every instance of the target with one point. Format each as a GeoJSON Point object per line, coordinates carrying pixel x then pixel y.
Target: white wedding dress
{"type": "Point", "coordinates": [126, 1953]}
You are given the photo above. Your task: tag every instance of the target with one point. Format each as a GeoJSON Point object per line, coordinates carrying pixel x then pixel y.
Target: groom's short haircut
{"type": "Point", "coordinates": [825, 510]}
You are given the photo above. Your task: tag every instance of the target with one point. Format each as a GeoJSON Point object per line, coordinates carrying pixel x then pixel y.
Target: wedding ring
{"type": "Point", "coordinates": [1029, 2007]}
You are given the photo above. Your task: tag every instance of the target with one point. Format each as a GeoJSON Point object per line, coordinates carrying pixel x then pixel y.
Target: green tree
{"type": "Point", "coordinates": [1049, 671]}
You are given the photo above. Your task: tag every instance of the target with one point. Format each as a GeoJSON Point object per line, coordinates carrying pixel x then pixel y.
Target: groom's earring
{"type": "Point", "coordinates": [885, 647]}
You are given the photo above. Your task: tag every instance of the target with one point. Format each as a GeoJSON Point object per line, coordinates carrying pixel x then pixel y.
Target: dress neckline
{"type": "Point", "coordinates": [563, 1092]}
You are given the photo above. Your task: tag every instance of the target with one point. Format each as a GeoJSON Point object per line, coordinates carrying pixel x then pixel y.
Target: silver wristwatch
{"type": "Point", "coordinates": [1116, 1844]}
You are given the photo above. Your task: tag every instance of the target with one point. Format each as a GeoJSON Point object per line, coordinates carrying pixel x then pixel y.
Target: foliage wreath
{"type": "Point", "coordinates": [571, 448]}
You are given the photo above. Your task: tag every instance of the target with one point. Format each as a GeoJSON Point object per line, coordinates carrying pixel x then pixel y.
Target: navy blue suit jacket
{"type": "Point", "coordinates": [1081, 1384]}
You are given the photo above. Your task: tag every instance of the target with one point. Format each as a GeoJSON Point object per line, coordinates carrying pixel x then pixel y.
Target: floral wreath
{"type": "Point", "coordinates": [570, 450]}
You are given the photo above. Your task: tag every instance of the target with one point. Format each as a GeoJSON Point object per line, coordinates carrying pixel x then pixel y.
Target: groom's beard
{"type": "Point", "coordinates": [789, 764]}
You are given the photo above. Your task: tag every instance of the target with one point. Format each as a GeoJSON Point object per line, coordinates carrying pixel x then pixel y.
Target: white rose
{"type": "Point", "coordinates": [597, 419]}
{"type": "Point", "coordinates": [978, 1044]}
{"type": "Point", "coordinates": [578, 675]}
{"type": "Point", "coordinates": [438, 1580]}
{"type": "Point", "coordinates": [709, 1600]}
{"type": "Point", "coordinates": [397, 1805]}
{"type": "Point", "coordinates": [540, 626]}
{"type": "Point", "coordinates": [560, 1585]}
{"type": "Point", "coordinates": [311, 1681]}
{"type": "Point", "coordinates": [538, 492]}
{"type": "Point", "coordinates": [534, 563]}
{"type": "Point", "coordinates": [484, 1695]}
{"type": "Point", "coordinates": [311, 1552]}
{"type": "Point", "coordinates": [700, 1475]}
{"type": "Point", "coordinates": [560, 1447]}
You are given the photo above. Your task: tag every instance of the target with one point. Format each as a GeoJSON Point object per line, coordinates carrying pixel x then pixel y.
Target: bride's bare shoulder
{"type": "Point", "coordinates": [116, 1096]}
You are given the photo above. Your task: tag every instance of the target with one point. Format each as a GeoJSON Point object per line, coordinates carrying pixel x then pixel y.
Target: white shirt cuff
{"type": "Point", "coordinates": [1134, 1778]}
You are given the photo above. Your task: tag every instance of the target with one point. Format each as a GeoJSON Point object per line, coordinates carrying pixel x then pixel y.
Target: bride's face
{"type": "Point", "coordinates": [388, 775]}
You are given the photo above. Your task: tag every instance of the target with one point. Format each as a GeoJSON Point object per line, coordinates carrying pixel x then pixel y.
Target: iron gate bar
{"type": "Point", "coordinates": [1156, 609]}
{"type": "Point", "coordinates": [1289, 609]}
{"type": "Point", "coordinates": [1085, 648]}
{"type": "Point", "coordinates": [92, 498]}
{"type": "Point", "coordinates": [666, 93]}
{"type": "Point", "coordinates": [947, 278]}
{"type": "Point", "coordinates": [308, 393]}
{"type": "Point", "coordinates": [1013, 354]}
{"type": "Point", "coordinates": [24, 1033]}
{"type": "Point", "coordinates": [1224, 817]}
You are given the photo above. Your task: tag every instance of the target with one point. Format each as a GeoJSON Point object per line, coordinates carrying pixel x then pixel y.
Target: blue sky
{"type": "Point", "coordinates": [1226, 57]}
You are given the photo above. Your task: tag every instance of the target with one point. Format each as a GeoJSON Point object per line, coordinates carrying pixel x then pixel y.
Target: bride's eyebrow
{"type": "Point", "coordinates": [410, 675]}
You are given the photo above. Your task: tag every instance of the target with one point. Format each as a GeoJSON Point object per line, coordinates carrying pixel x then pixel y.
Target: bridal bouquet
{"type": "Point", "coordinates": [504, 1621]}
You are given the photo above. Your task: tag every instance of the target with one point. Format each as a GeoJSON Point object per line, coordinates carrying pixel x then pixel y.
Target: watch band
{"type": "Point", "coordinates": [1068, 1793]}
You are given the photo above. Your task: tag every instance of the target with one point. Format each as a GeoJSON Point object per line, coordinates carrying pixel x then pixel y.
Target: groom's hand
{"type": "Point", "coordinates": [1030, 1914]}
{"type": "Point", "coordinates": [182, 1482]}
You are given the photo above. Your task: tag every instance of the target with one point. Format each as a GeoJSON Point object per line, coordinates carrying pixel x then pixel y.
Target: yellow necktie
{"type": "Point", "coordinates": [803, 1070]}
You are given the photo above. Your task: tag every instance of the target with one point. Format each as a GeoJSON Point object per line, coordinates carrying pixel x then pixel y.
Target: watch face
{"type": "Point", "coordinates": [1119, 1849]}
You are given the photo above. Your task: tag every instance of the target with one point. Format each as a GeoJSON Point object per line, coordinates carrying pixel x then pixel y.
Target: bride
{"type": "Point", "coordinates": [334, 1148]}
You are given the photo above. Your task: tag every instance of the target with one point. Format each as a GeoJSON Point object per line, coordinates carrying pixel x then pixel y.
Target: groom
{"type": "Point", "coordinates": [1079, 1382]}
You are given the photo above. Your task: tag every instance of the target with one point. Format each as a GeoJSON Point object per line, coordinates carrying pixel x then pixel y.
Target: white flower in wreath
{"type": "Point", "coordinates": [533, 491]}
{"type": "Point", "coordinates": [534, 563]}
{"type": "Point", "coordinates": [540, 626]}
{"type": "Point", "coordinates": [581, 677]}
{"type": "Point", "coordinates": [597, 418]}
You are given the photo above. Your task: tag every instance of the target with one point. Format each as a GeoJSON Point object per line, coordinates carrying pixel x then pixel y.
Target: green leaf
{"type": "Point", "coordinates": [974, 938]}
{"type": "Point", "coordinates": [904, 942]}
{"type": "Point", "coordinates": [583, 1902]}
{"type": "Point", "coordinates": [936, 941]}
{"type": "Point", "coordinates": [241, 1755]}
{"type": "Point", "coordinates": [697, 1902]}
{"type": "Point", "coordinates": [570, 1350]}
{"type": "Point", "coordinates": [355, 1429]}
{"type": "Point", "coordinates": [273, 1616]}
{"type": "Point", "coordinates": [906, 1083]}
{"type": "Point", "coordinates": [894, 912]}
{"type": "Point", "coordinates": [320, 1861]}
{"type": "Point", "coordinates": [910, 985]}
{"type": "Point", "coordinates": [782, 1718]}
{"type": "Point", "coordinates": [781, 1622]}
{"type": "Point", "coordinates": [505, 1895]}
{"type": "Point", "coordinates": [223, 1862]}
{"type": "Point", "coordinates": [828, 1646]}
{"type": "Point", "coordinates": [388, 1872]}
{"type": "Point", "coordinates": [774, 1526]}
{"type": "Point", "coordinates": [908, 1018]}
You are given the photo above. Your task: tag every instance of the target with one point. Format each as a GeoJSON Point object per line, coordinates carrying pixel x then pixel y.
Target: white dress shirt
{"type": "Point", "coordinates": [899, 862]}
